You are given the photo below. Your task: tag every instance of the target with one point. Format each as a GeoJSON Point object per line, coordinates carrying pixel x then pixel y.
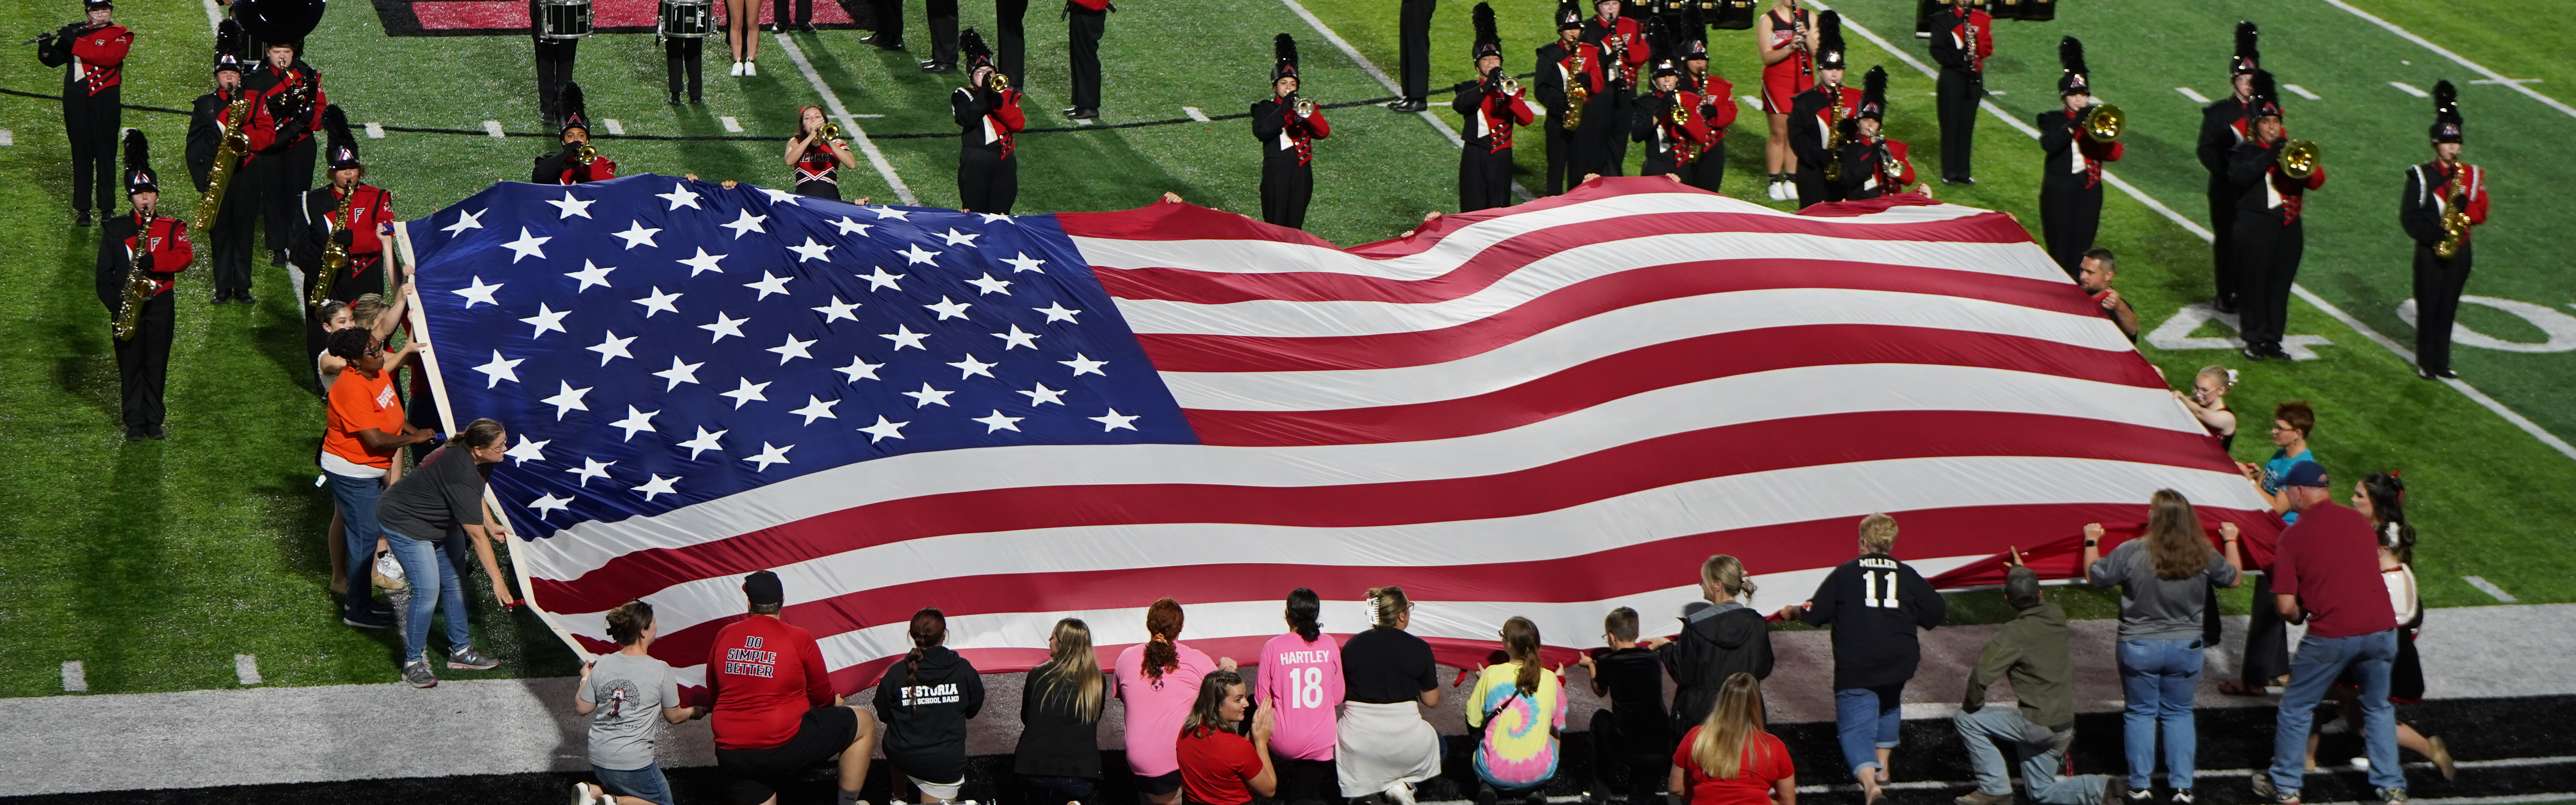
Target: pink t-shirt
{"type": "Point", "coordinates": [1302, 684]}
{"type": "Point", "coordinates": [1155, 708]}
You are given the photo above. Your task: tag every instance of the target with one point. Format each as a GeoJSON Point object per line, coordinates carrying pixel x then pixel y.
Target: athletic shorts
{"type": "Point", "coordinates": [757, 773]}
{"type": "Point", "coordinates": [1157, 785]}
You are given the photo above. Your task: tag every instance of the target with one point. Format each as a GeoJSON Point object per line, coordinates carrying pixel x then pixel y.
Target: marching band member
{"type": "Point", "coordinates": [1413, 54]}
{"type": "Point", "coordinates": [230, 231]}
{"type": "Point", "coordinates": [292, 91]}
{"type": "Point", "coordinates": [92, 55]}
{"type": "Point", "coordinates": [683, 55]}
{"type": "Point", "coordinates": [1873, 165]}
{"type": "Point", "coordinates": [1787, 45]}
{"type": "Point", "coordinates": [345, 214]}
{"type": "Point", "coordinates": [2270, 237]}
{"type": "Point", "coordinates": [577, 161]}
{"type": "Point", "coordinates": [554, 59]}
{"type": "Point", "coordinates": [988, 178]}
{"type": "Point", "coordinates": [1085, 20]}
{"type": "Point", "coordinates": [158, 245]}
{"type": "Point", "coordinates": [2070, 183]}
{"type": "Point", "coordinates": [1622, 40]}
{"type": "Point", "coordinates": [1492, 105]}
{"type": "Point", "coordinates": [1717, 106]}
{"type": "Point", "coordinates": [1667, 119]}
{"type": "Point", "coordinates": [818, 154]}
{"type": "Point", "coordinates": [2222, 127]}
{"type": "Point", "coordinates": [1815, 116]}
{"type": "Point", "coordinates": [1287, 127]}
{"type": "Point", "coordinates": [1568, 67]}
{"type": "Point", "coordinates": [1963, 37]}
{"type": "Point", "coordinates": [2444, 197]}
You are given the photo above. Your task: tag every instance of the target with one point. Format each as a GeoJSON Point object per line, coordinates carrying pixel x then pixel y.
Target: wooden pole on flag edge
{"type": "Point", "coordinates": [419, 320]}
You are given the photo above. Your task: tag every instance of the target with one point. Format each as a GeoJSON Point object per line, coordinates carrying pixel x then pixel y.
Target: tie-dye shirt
{"type": "Point", "coordinates": [1518, 751]}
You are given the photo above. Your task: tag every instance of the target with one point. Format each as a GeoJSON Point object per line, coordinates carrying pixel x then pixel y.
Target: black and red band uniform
{"type": "Point", "coordinates": [295, 100]}
{"type": "Point", "coordinates": [988, 169]}
{"type": "Point", "coordinates": [1562, 67]}
{"type": "Point", "coordinates": [2433, 190]}
{"type": "Point", "coordinates": [1624, 49]}
{"type": "Point", "coordinates": [1671, 147]}
{"type": "Point", "coordinates": [1485, 161]}
{"type": "Point", "coordinates": [1287, 140]}
{"type": "Point", "coordinates": [565, 166]}
{"type": "Point", "coordinates": [2070, 174]}
{"type": "Point", "coordinates": [321, 223]}
{"type": "Point", "coordinates": [2270, 237]}
{"type": "Point", "coordinates": [1807, 138]}
{"type": "Point", "coordinates": [93, 62]}
{"type": "Point", "coordinates": [2222, 127]}
{"type": "Point", "coordinates": [1962, 84]}
{"type": "Point", "coordinates": [229, 235]}
{"type": "Point", "coordinates": [157, 244]}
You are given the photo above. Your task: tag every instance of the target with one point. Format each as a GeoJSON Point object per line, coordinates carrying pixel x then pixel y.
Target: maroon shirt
{"type": "Point", "coordinates": [2330, 560]}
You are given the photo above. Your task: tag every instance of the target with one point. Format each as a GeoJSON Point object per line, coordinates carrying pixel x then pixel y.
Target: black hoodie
{"type": "Point", "coordinates": [1717, 641]}
{"type": "Point", "coordinates": [924, 711]}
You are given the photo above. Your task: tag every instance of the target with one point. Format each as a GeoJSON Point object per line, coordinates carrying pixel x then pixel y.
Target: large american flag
{"type": "Point", "coordinates": [1548, 410]}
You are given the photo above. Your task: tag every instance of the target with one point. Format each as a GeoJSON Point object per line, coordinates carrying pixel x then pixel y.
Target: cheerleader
{"type": "Point", "coordinates": [817, 159]}
{"type": "Point", "coordinates": [1786, 40]}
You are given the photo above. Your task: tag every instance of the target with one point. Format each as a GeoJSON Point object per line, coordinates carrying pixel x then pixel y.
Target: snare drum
{"type": "Point", "coordinates": [686, 19]}
{"type": "Point", "coordinates": [563, 19]}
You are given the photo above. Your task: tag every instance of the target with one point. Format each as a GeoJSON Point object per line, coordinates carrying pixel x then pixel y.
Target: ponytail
{"type": "Point", "coordinates": [1162, 626]}
{"type": "Point", "coordinates": [929, 629]}
{"type": "Point", "coordinates": [1386, 604]}
{"type": "Point", "coordinates": [1305, 610]}
{"type": "Point", "coordinates": [1520, 639]}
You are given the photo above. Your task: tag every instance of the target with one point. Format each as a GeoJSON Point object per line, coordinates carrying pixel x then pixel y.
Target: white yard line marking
{"type": "Point", "coordinates": [7, 139]}
{"type": "Point", "coordinates": [732, 125]}
{"type": "Point", "coordinates": [75, 680]}
{"type": "Point", "coordinates": [2409, 89]}
{"type": "Point", "coordinates": [214, 16]}
{"type": "Point", "coordinates": [1382, 79]}
{"type": "Point", "coordinates": [2301, 92]}
{"type": "Point", "coordinates": [2490, 588]}
{"type": "Point", "coordinates": [246, 668]}
{"type": "Point", "coordinates": [2195, 97]}
{"type": "Point", "coordinates": [2506, 81]}
{"type": "Point", "coordinates": [849, 125]}
{"type": "Point", "coordinates": [867, 117]}
{"type": "Point", "coordinates": [614, 127]}
{"type": "Point", "coordinates": [2320, 302]}
{"type": "Point", "coordinates": [1194, 113]}
{"type": "Point", "coordinates": [2446, 53]}
{"type": "Point", "coordinates": [375, 131]}
{"type": "Point", "coordinates": [1756, 102]}
{"type": "Point", "coordinates": [492, 127]}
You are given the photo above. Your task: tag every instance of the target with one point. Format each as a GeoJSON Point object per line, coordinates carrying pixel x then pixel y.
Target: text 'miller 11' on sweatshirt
{"type": "Point", "coordinates": [924, 710]}
{"type": "Point", "coordinates": [763, 674]}
{"type": "Point", "coordinates": [1875, 604]}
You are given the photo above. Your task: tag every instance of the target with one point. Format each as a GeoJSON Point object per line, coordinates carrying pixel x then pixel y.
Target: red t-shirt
{"type": "Point", "coordinates": [1765, 761]}
{"type": "Point", "coordinates": [2331, 562]}
{"type": "Point", "coordinates": [763, 674]}
{"type": "Point", "coordinates": [1216, 767]}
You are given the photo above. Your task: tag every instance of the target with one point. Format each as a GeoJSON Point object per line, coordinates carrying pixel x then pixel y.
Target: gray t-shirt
{"type": "Point", "coordinates": [2153, 608]}
{"type": "Point", "coordinates": [630, 692]}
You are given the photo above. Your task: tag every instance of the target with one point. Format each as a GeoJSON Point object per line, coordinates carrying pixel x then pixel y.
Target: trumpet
{"type": "Point", "coordinates": [586, 154]}
{"type": "Point", "coordinates": [1511, 86]}
{"type": "Point", "coordinates": [1887, 162]}
{"type": "Point", "coordinates": [1685, 150]}
{"type": "Point", "coordinates": [831, 132]}
{"type": "Point", "coordinates": [2299, 158]}
{"type": "Point", "coordinates": [1305, 107]}
{"type": "Point", "coordinates": [2103, 122]}
{"type": "Point", "coordinates": [1001, 82]}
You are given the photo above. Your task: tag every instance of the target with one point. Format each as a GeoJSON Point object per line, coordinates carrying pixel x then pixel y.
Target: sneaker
{"type": "Point", "coordinates": [735, 70]}
{"type": "Point", "coordinates": [2393, 796]}
{"type": "Point", "coordinates": [464, 658]}
{"type": "Point", "coordinates": [2182, 797]}
{"type": "Point", "coordinates": [1983, 798]}
{"type": "Point", "coordinates": [417, 675]}
{"type": "Point", "coordinates": [750, 68]}
{"type": "Point", "coordinates": [2141, 794]}
{"type": "Point", "coordinates": [80, 218]}
{"type": "Point", "coordinates": [2263, 788]}
{"type": "Point", "coordinates": [365, 618]}
{"type": "Point", "coordinates": [581, 795]}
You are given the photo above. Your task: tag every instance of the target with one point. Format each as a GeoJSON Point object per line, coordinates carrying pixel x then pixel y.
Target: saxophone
{"type": "Point", "coordinates": [1575, 93]}
{"type": "Point", "coordinates": [138, 288]}
{"type": "Point", "coordinates": [2455, 221]}
{"type": "Point", "coordinates": [1833, 133]}
{"type": "Point", "coordinates": [228, 156]}
{"type": "Point", "coordinates": [335, 255]}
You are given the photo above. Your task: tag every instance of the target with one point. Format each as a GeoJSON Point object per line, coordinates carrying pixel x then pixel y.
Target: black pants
{"type": "Point", "coordinates": [889, 20]}
{"type": "Point", "coordinates": [1307, 782]}
{"type": "Point", "coordinates": [987, 181]}
{"type": "Point", "coordinates": [1709, 170]}
{"type": "Point", "coordinates": [554, 70]}
{"type": "Point", "coordinates": [1010, 37]}
{"type": "Point", "coordinates": [1623, 768]}
{"type": "Point", "coordinates": [284, 176]}
{"type": "Point", "coordinates": [1564, 154]}
{"type": "Point", "coordinates": [234, 228]}
{"type": "Point", "coordinates": [2267, 263]}
{"type": "Point", "coordinates": [943, 30]}
{"type": "Point", "coordinates": [2437, 303]}
{"type": "Point", "coordinates": [2070, 216]}
{"type": "Point", "coordinates": [2222, 241]}
{"type": "Point", "coordinates": [1413, 47]}
{"type": "Point", "coordinates": [143, 363]}
{"type": "Point", "coordinates": [1960, 92]}
{"type": "Point", "coordinates": [1484, 179]}
{"type": "Point", "coordinates": [2267, 639]}
{"type": "Point", "coordinates": [94, 122]}
{"type": "Point", "coordinates": [1603, 140]}
{"type": "Point", "coordinates": [1086, 26]}
{"type": "Point", "coordinates": [819, 189]}
{"type": "Point", "coordinates": [685, 56]}
{"type": "Point", "coordinates": [804, 13]}
{"type": "Point", "coordinates": [1285, 188]}
{"type": "Point", "coordinates": [1812, 188]}
{"type": "Point", "coordinates": [1658, 163]}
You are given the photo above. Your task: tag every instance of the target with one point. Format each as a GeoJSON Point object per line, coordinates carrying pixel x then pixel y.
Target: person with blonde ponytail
{"type": "Point", "coordinates": [1383, 746]}
{"type": "Point", "coordinates": [1158, 680]}
{"type": "Point", "coordinates": [1518, 710]}
{"type": "Point", "coordinates": [1729, 759]}
{"type": "Point", "coordinates": [1058, 759]}
{"type": "Point", "coordinates": [924, 702]}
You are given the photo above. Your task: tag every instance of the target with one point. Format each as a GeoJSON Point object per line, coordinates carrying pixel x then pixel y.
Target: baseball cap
{"type": "Point", "coordinates": [2305, 473]}
{"type": "Point", "coordinates": [763, 589]}
{"type": "Point", "coordinates": [2021, 588]}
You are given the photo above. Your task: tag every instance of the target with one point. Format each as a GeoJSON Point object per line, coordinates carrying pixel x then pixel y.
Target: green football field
{"type": "Point", "coordinates": [155, 563]}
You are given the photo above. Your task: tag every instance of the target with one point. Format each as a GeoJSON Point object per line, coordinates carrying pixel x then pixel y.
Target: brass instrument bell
{"type": "Point", "coordinates": [2103, 122]}
{"type": "Point", "coordinates": [2298, 159]}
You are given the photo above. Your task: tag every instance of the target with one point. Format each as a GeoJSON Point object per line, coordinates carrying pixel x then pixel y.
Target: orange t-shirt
{"type": "Point", "coordinates": [358, 403]}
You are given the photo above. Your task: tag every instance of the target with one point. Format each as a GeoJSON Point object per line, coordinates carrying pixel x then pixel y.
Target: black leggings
{"type": "Point", "coordinates": [987, 181]}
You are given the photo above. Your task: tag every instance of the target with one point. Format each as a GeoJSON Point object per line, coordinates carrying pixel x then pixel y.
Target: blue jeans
{"type": "Point", "coordinates": [2042, 752]}
{"type": "Point", "coordinates": [644, 783]}
{"type": "Point", "coordinates": [1865, 719]}
{"type": "Point", "coordinates": [431, 569]}
{"type": "Point", "coordinates": [2320, 661]}
{"type": "Point", "coordinates": [356, 498]}
{"type": "Point", "coordinates": [2159, 677]}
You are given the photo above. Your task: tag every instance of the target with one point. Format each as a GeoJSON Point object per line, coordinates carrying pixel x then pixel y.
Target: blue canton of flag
{"type": "Point", "coordinates": [652, 342]}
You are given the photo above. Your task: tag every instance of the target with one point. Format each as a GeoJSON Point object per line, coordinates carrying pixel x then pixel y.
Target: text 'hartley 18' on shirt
{"type": "Point", "coordinates": [1874, 604]}
{"type": "Point", "coordinates": [763, 674]}
{"type": "Point", "coordinates": [1301, 682]}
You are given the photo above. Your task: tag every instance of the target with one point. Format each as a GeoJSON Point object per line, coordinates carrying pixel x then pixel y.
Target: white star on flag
{"type": "Point", "coordinates": [527, 245]}
{"type": "Point", "coordinates": [546, 319]}
{"type": "Point", "coordinates": [567, 400]}
{"type": "Point", "coordinates": [658, 486]}
{"type": "Point", "coordinates": [986, 285]}
{"type": "Point", "coordinates": [890, 212]}
{"type": "Point", "coordinates": [637, 234]}
{"type": "Point", "coordinates": [860, 368]}
{"type": "Point", "coordinates": [815, 408]}
{"type": "Point", "coordinates": [464, 221]}
{"type": "Point", "coordinates": [1025, 263]}
{"type": "Point", "coordinates": [850, 227]}
{"type": "Point", "coordinates": [770, 454]}
{"type": "Point", "coordinates": [791, 350]}
{"type": "Point", "coordinates": [591, 275]}
{"type": "Point", "coordinates": [915, 255]}
{"type": "Point", "coordinates": [635, 422]}
{"type": "Point", "coordinates": [703, 263]}
{"type": "Point", "coordinates": [837, 310]}
{"type": "Point", "coordinates": [902, 337]}
{"type": "Point", "coordinates": [746, 224]}
{"type": "Point", "coordinates": [812, 251]}
{"type": "Point", "coordinates": [548, 505]}
{"type": "Point", "coordinates": [769, 284]}
{"type": "Point", "coordinates": [1056, 311]}
{"type": "Point", "coordinates": [1082, 366]}
{"type": "Point", "coordinates": [611, 346]}
{"type": "Point", "coordinates": [724, 326]}
{"type": "Point", "coordinates": [704, 442]}
{"type": "Point", "coordinates": [679, 373]}
{"type": "Point", "coordinates": [659, 302]}
{"type": "Point", "coordinates": [928, 396]}
{"type": "Point", "coordinates": [500, 369]}
{"type": "Point", "coordinates": [971, 367]}
{"type": "Point", "coordinates": [746, 394]}
{"type": "Point", "coordinates": [883, 430]}
{"type": "Point", "coordinates": [992, 218]}
{"type": "Point", "coordinates": [777, 196]}
{"type": "Point", "coordinates": [998, 422]}
{"type": "Point", "coordinates": [480, 293]}
{"type": "Point", "coordinates": [1041, 395]}
{"type": "Point", "coordinates": [1016, 338]}
{"type": "Point", "coordinates": [572, 206]}
{"type": "Point", "coordinates": [946, 309]}
{"type": "Point", "coordinates": [590, 468]}
{"type": "Point", "coordinates": [956, 238]}
{"type": "Point", "coordinates": [882, 280]}
{"type": "Point", "coordinates": [1113, 421]}
{"type": "Point", "coordinates": [680, 196]}
{"type": "Point", "coordinates": [528, 451]}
